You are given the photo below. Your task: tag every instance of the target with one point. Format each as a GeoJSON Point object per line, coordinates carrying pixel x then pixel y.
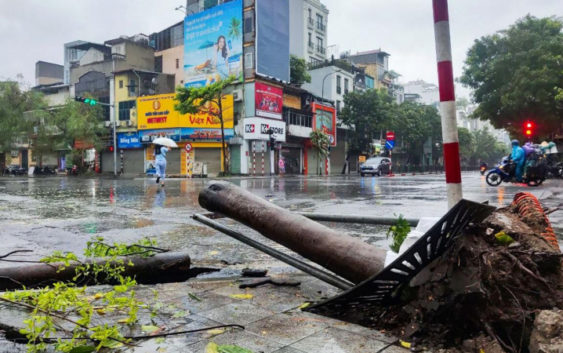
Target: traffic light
{"type": "Point", "coordinates": [529, 129]}
{"type": "Point", "coordinates": [110, 148]}
{"type": "Point", "coordinates": [85, 100]}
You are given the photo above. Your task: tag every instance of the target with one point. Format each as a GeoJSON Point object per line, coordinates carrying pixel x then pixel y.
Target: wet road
{"type": "Point", "coordinates": [46, 214]}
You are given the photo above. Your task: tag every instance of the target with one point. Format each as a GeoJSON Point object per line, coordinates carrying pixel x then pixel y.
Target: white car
{"type": "Point", "coordinates": [376, 166]}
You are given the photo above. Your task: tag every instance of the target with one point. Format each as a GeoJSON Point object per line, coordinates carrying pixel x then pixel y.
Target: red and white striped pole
{"type": "Point", "coordinates": [447, 101]}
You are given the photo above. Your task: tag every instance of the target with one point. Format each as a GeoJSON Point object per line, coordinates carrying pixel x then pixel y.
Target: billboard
{"type": "Point", "coordinates": [272, 39]}
{"type": "Point", "coordinates": [213, 44]}
{"type": "Point", "coordinates": [269, 101]}
{"type": "Point", "coordinates": [185, 134]}
{"type": "Point", "coordinates": [127, 140]}
{"type": "Point", "coordinates": [157, 112]}
{"type": "Point", "coordinates": [324, 119]}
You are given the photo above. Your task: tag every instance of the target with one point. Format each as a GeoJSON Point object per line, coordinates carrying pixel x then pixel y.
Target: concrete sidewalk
{"type": "Point", "coordinates": [271, 316]}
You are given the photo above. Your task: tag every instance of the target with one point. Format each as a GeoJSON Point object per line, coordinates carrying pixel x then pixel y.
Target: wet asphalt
{"type": "Point", "coordinates": [63, 213]}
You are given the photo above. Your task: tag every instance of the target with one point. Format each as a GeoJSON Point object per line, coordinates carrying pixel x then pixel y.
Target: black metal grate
{"type": "Point", "coordinates": [380, 288]}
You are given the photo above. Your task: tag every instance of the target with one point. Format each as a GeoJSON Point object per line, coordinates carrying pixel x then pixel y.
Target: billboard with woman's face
{"type": "Point", "coordinates": [213, 44]}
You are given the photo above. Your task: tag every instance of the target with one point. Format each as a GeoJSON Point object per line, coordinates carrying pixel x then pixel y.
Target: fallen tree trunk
{"type": "Point", "coordinates": [159, 268]}
{"type": "Point", "coordinates": [348, 257]}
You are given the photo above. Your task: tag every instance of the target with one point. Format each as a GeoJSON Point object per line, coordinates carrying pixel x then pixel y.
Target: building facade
{"type": "Point", "coordinates": [308, 30]}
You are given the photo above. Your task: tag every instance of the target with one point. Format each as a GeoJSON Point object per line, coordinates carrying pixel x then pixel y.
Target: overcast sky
{"type": "Point", "coordinates": [32, 30]}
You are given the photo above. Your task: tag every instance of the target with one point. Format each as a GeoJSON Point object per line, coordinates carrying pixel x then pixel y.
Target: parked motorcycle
{"type": "Point", "coordinates": [505, 171]}
{"type": "Point", "coordinates": [44, 171]}
{"type": "Point", "coordinates": [14, 170]}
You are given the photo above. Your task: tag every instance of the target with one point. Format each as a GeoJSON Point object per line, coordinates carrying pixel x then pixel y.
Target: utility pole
{"type": "Point", "coordinates": [447, 101]}
{"type": "Point", "coordinates": [112, 114]}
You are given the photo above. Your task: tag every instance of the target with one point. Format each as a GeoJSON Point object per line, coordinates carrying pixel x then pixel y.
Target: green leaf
{"type": "Point", "coordinates": [149, 328]}
{"type": "Point", "coordinates": [194, 297]}
{"type": "Point", "coordinates": [83, 349]}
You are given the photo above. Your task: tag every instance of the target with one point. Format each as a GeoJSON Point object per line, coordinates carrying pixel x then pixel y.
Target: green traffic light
{"type": "Point", "coordinates": [93, 102]}
{"type": "Point", "coordinates": [87, 100]}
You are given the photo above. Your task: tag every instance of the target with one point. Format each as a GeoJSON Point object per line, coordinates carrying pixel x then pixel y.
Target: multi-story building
{"type": "Point", "coordinates": [308, 21]}
{"type": "Point", "coordinates": [375, 63]}
{"type": "Point", "coordinates": [169, 51]}
{"type": "Point", "coordinates": [422, 92]}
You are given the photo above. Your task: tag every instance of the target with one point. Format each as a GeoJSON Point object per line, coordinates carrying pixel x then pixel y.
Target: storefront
{"type": "Point", "coordinates": [197, 135]}
{"type": "Point", "coordinates": [262, 158]}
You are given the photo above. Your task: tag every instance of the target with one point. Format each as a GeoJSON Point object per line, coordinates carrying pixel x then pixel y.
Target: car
{"type": "Point", "coordinates": [376, 166]}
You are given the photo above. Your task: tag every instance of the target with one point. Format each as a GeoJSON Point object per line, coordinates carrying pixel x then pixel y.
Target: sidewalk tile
{"type": "Point", "coordinates": [207, 301]}
{"type": "Point", "coordinates": [237, 313]}
{"type": "Point", "coordinates": [286, 328]}
{"type": "Point", "coordinates": [289, 350]}
{"type": "Point", "coordinates": [332, 340]}
{"type": "Point", "coordinates": [242, 339]}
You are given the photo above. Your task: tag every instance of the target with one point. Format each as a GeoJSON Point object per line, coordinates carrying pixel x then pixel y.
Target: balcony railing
{"type": "Point", "coordinates": [321, 49]}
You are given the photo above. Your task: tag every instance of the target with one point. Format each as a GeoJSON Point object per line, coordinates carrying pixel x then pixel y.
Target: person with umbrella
{"type": "Point", "coordinates": [162, 145]}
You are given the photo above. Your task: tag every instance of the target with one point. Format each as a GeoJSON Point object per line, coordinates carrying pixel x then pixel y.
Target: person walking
{"type": "Point", "coordinates": [160, 156]}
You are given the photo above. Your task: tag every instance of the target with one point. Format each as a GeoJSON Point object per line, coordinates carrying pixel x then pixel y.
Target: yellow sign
{"type": "Point", "coordinates": [157, 112]}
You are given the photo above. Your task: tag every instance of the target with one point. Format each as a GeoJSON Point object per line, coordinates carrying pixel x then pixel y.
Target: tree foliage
{"type": "Point", "coordinates": [298, 70]}
{"type": "Point", "coordinates": [466, 144]}
{"type": "Point", "coordinates": [13, 103]}
{"type": "Point", "coordinates": [320, 142]}
{"type": "Point", "coordinates": [209, 99]}
{"type": "Point", "coordinates": [414, 125]}
{"type": "Point", "coordinates": [517, 74]}
{"type": "Point", "coordinates": [368, 113]}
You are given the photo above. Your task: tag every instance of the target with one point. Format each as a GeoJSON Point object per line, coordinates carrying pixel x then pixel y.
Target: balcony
{"type": "Point", "coordinates": [321, 49]}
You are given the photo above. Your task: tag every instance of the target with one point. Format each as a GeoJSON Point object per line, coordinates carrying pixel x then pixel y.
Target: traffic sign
{"type": "Point", "coordinates": [188, 147]}
{"type": "Point", "coordinates": [389, 144]}
{"type": "Point", "coordinates": [390, 136]}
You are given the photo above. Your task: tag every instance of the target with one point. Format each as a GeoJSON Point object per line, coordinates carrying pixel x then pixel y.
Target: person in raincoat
{"type": "Point", "coordinates": [518, 156]}
{"type": "Point", "coordinates": [160, 156]}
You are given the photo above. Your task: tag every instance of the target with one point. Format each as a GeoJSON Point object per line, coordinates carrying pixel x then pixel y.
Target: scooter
{"type": "Point", "coordinates": [505, 170]}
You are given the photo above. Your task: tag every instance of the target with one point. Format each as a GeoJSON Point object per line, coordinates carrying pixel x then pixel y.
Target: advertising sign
{"type": "Point", "coordinates": [157, 112]}
{"type": "Point", "coordinates": [272, 39]}
{"type": "Point", "coordinates": [185, 134]}
{"type": "Point", "coordinates": [257, 129]}
{"type": "Point", "coordinates": [324, 119]}
{"type": "Point", "coordinates": [213, 44]}
{"type": "Point", "coordinates": [269, 101]}
{"type": "Point", "coordinates": [127, 140]}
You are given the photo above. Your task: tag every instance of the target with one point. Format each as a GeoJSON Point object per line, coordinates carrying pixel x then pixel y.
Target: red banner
{"type": "Point", "coordinates": [269, 101]}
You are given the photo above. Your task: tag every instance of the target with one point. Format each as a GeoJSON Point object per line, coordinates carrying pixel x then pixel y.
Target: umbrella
{"type": "Point", "coordinates": [165, 141]}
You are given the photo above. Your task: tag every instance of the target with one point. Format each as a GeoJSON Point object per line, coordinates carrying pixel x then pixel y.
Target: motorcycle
{"type": "Point", "coordinates": [505, 171]}
{"type": "Point", "coordinates": [483, 168]}
{"type": "Point", "coordinates": [15, 170]}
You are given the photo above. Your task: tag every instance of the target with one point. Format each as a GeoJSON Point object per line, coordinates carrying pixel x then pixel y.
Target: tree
{"type": "Point", "coordinates": [320, 142]}
{"type": "Point", "coordinates": [368, 113]}
{"type": "Point", "coordinates": [298, 70]}
{"type": "Point", "coordinates": [486, 147]}
{"type": "Point", "coordinates": [466, 144]}
{"type": "Point", "coordinates": [195, 99]}
{"type": "Point", "coordinates": [13, 103]}
{"type": "Point", "coordinates": [517, 75]}
{"type": "Point", "coordinates": [414, 125]}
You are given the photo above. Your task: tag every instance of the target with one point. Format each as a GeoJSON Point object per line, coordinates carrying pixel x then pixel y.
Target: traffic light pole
{"type": "Point", "coordinates": [112, 115]}
{"type": "Point", "coordinates": [447, 101]}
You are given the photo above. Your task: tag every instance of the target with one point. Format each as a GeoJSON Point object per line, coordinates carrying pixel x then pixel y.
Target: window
{"type": "Point", "coordinates": [177, 63]}
{"type": "Point", "coordinates": [345, 86]}
{"type": "Point", "coordinates": [131, 87]}
{"type": "Point", "coordinates": [310, 18]}
{"type": "Point", "coordinates": [338, 84]}
{"type": "Point", "coordinates": [338, 103]}
{"type": "Point", "coordinates": [248, 61]}
{"type": "Point", "coordinates": [120, 83]}
{"type": "Point", "coordinates": [310, 13]}
{"type": "Point", "coordinates": [125, 109]}
{"type": "Point", "coordinates": [320, 48]}
{"type": "Point", "coordinates": [320, 24]}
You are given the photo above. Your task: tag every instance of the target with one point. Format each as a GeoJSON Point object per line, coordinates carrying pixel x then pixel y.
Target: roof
{"type": "Point", "coordinates": [83, 45]}
{"type": "Point", "coordinates": [141, 71]}
{"type": "Point", "coordinates": [56, 85]}
{"type": "Point", "coordinates": [371, 52]}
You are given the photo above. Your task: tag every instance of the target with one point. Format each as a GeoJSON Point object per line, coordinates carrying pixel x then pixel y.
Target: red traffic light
{"type": "Point", "coordinates": [110, 148]}
{"type": "Point", "coordinates": [529, 125]}
{"type": "Point", "coordinates": [529, 128]}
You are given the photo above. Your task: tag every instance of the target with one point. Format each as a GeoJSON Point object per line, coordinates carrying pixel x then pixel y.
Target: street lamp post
{"type": "Point", "coordinates": [323, 87]}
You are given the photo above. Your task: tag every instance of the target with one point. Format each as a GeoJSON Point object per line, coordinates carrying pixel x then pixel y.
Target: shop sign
{"type": "Point", "coordinates": [269, 101]}
{"type": "Point", "coordinates": [128, 140]}
{"type": "Point", "coordinates": [257, 129]}
{"type": "Point", "coordinates": [157, 112]}
{"type": "Point", "coordinates": [185, 134]}
{"type": "Point", "coordinates": [324, 119]}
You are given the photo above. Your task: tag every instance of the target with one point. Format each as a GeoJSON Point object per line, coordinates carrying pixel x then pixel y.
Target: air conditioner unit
{"type": "Point", "coordinates": [129, 123]}
{"type": "Point", "coordinates": [237, 95]}
{"type": "Point", "coordinates": [107, 123]}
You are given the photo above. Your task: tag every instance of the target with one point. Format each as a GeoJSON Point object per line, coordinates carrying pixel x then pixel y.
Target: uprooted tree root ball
{"type": "Point", "coordinates": [485, 291]}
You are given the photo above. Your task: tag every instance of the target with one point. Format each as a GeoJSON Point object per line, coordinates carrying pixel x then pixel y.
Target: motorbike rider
{"type": "Point", "coordinates": [518, 156]}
